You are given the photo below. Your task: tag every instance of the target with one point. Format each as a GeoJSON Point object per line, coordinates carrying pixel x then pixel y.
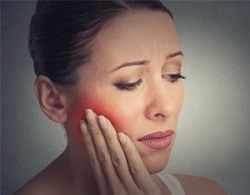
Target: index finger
{"type": "Point", "coordinates": [96, 167]}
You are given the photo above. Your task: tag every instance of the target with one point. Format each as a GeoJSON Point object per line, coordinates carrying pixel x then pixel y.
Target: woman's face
{"type": "Point", "coordinates": [127, 81]}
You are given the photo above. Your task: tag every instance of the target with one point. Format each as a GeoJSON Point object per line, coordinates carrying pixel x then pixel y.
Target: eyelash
{"type": "Point", "coordinates": [131, 86]}
{"type": "Point", "coordinates": [128, 86]}
{"type": "Point", "coordinates": [173, 77]}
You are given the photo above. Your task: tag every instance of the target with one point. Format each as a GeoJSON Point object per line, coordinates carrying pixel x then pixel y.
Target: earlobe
{"type": "Point", "coordinates": [52, 101]}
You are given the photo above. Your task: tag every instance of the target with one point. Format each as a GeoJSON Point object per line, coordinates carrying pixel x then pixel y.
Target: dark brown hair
{"type": "Point", "coordinates": [62, 32]}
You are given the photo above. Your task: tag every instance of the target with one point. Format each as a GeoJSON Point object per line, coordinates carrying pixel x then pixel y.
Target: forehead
{"type": "Point", "coordinates": [136, 35]}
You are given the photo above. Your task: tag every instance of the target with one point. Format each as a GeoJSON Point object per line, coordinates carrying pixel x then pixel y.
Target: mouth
{"type": "Point", "coordinates": [158, 140]}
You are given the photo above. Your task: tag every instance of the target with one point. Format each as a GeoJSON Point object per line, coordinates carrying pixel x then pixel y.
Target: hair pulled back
{"type": "Point", "coordinates": [62, 33]}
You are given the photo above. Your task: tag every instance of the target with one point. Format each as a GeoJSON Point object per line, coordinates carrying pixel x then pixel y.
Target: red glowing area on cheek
{"type": "Point", "coordinates": [111, 112]}
{"type": "Point", "coordinates": [108, 109]}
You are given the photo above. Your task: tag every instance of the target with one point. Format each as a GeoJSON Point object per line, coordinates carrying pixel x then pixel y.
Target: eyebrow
{"type": "Point", "coordinates": [172, 55]}
{"type": "Point", "coordinates": [144, 62]}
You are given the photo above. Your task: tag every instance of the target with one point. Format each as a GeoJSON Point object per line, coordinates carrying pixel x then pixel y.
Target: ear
{"type": "Point", "coordinates": [52, 100]}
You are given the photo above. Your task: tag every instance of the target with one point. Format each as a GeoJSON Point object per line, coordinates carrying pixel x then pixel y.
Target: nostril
{"type": "Point", "coordinates": [159, 115]}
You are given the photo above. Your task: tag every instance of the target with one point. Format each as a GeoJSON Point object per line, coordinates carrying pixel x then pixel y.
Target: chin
{"type": "Point", "coordinates": [156, 163]}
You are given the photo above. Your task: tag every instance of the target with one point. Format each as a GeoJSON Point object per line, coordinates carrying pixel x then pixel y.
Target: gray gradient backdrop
{"type": "Point", "coordinates": [213, 134]}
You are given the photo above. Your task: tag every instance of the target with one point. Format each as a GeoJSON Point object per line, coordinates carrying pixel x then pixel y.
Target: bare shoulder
{"type": "Point", "coordinates": [198, 185]}
{"type": "Point", "coordinates": [39, 185]}
{"type": "Point", "coordinates": [35, 186]}
{"type": "Point", "coordinates": [48, 182]}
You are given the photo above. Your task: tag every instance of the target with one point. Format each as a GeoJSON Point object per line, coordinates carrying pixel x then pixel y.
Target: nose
{"type": "Point", "coordinates": [161, 104]}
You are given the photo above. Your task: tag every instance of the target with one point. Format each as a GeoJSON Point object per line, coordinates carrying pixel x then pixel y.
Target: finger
{"type": "Point", "coordinates": [102, 149]}
{"type": "Point", "coordinates": [96, 167]}
{"type": "Point", "coordinates": [140, 174]}
{"type": "Point", "coordinates": [117, 155]}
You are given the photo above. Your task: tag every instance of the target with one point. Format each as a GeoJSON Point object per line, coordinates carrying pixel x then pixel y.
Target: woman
{"type": "Point", "coordinates": [110, 72]}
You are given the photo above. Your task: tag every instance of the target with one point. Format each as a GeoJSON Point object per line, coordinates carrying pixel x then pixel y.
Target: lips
{"type": "Point", "coordinates": [158, 140]}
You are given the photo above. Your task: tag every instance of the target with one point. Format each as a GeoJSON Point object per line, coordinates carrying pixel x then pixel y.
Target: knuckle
{"type": "Point", "coordinates": [115, 159]}
{"type": "Point", "coordinates": [102, 156]}
{"type": "Point", "coordinates": [109, 136]}
{"type": "Point", "coordinates": [94, 130]}
{"type": "Point", "coordinates": [93, 160]}
{"type": "Point", "coordinates": [134, 169]}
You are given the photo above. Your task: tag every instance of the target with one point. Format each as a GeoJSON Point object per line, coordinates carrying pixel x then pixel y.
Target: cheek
{"type": "Point", "coordinates": [119, 114]}
{"type": "Point", "coordinates": [180, 98]}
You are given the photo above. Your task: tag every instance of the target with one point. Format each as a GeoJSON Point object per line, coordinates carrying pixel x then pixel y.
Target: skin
{"type": "Point", "coordinates": [152, 106]}
{"type": "Point", "coordinates": [156, 102]}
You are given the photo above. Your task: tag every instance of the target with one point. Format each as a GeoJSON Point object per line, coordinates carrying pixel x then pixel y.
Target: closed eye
{"type": "Point", "coordinates": [128, 86]}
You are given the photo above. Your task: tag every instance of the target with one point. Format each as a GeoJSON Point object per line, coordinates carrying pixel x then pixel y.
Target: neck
{"type": "Point", "coordinates": [77, 170]}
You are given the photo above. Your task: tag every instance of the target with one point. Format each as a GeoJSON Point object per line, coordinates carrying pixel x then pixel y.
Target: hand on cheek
{"type": "Point", "coordinates": [116, 164]}
{"type": "Point", "coordinates": [79, 114]}
{"type": "Point", "coordinates": [114, 116]}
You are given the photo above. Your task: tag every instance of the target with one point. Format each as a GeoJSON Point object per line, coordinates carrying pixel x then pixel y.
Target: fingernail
{"type": "Point", "coordinates": [90, 116]}
{"type": "Point", "coordinates": [83, 127]}
{"type": "Point", "coordinates": [103, 122]}
{"type": "Point", "coordinates": [89, 113]}
{"type": "Point", "coordinates": [122, 138]}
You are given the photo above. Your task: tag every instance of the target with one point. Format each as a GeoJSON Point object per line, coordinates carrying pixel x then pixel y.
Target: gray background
{"type": "Point", "coordinates": [213, 134]}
